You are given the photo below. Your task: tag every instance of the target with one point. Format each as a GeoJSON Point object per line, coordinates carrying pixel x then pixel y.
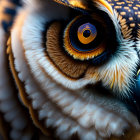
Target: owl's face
{"type": "Point", "coordinates": [72, 60]}
{"type": "Point", "coordinates": [87, 42]}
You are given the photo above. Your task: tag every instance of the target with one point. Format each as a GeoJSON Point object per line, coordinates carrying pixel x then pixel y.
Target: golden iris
{"type": "Point", "coordinates": [86, 33]}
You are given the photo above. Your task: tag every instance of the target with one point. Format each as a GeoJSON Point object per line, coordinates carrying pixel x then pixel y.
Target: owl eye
{"type": "Point", "coordinates": [86, 38]}
{"type": "Point", "coordinates": [86, 33]}
{"type": "Point", "coordinates": [83, 38]}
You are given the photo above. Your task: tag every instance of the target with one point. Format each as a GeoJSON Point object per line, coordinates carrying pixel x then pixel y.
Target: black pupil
{"type": "Point", "coordinates": [86, 33]}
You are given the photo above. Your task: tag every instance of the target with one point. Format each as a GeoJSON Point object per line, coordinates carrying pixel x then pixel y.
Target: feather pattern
{"type": "Point", "coordinates": [50, 93]}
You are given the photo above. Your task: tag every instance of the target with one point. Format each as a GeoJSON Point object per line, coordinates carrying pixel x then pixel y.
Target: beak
{"type": "Point", "coordinates": [135, 99]}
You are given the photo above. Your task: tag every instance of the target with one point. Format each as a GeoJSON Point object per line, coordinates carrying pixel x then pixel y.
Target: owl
{"type": "Point", "coordinates": [69, 69]}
